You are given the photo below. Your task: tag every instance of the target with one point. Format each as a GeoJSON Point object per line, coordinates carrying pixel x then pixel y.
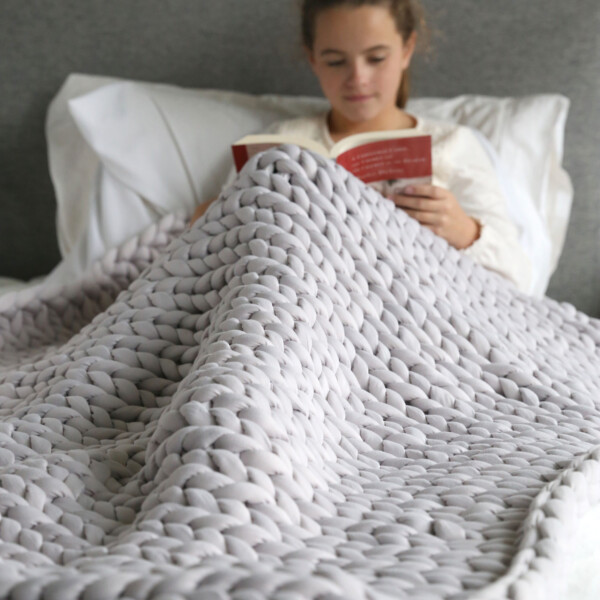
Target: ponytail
{"type": "Point", "coordinates": [404, 89]}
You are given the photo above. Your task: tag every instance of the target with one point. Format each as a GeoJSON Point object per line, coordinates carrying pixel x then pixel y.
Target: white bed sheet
{"type": "Point", "coordinates": [583, 560]}
{"type": "Point", "coordinates": [8, 284]}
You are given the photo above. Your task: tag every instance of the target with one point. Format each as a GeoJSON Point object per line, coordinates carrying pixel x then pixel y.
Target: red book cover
{"type": "Point", "coordinates": [406, 158]}
{"type": "Point", "coordinates": [240, 156]}
{"type": "Point", "coordinates": [242, 153]}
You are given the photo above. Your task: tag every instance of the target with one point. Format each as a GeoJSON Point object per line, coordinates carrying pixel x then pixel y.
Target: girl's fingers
{"type": "Point", "coordinates": [425, 190]}
{"type": "Point", "coordinates": [416, 203]}
{"type": "Point", "coordinates": [425, 218]}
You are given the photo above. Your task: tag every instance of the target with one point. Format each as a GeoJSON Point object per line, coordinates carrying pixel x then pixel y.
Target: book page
{"type": "Point", "coordinates": [394, 162]}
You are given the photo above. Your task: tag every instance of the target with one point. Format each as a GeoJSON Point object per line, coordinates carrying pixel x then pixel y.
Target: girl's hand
{"type": "Point", "coordinates": [437, 209]}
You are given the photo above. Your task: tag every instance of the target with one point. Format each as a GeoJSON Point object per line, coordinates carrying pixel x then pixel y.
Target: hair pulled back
{"type": "Point", "coordinates": [407, 15]}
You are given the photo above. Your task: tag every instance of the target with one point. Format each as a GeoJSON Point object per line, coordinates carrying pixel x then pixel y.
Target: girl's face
{"type": "Point", "coordinates": [358, 57]}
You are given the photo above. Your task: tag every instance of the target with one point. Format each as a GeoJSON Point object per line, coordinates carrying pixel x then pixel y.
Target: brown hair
{"type": "Point", "coordinates": [406, 13]}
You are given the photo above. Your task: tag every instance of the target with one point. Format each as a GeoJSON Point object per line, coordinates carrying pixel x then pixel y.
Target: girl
{"type": "Point", "coordinates": [360, 51]}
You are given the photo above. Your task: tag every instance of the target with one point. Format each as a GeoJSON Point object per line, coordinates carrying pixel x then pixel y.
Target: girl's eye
{"type": "Point", "coordinates": [341, 62]}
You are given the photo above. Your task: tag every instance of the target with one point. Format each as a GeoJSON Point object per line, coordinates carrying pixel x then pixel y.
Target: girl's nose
{"type": "Point", "coordinates": [357, 73]}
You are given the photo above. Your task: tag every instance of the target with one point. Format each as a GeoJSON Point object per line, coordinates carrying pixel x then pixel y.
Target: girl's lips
{"type": "Point", "coordinates": [358, 97]}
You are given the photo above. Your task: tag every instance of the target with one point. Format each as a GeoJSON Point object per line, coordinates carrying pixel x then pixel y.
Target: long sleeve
{"type": "Point", "coordinates": [462, 165]}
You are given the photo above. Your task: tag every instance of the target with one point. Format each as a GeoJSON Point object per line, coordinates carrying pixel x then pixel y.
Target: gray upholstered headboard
{"type": "Point", "coordinates": [485, 46]}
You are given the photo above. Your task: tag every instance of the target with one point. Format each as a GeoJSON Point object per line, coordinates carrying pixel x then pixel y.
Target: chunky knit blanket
{"type": "Point", "coordinates": [304, 396]}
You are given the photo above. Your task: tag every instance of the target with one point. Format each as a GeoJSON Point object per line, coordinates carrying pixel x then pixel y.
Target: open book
{"type": "Point", "coordinates": [387, 160]}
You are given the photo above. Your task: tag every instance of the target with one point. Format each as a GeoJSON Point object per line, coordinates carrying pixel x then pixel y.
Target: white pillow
{"type": "Point", "coordinates": [73, 164]}
{"type": "Point", "coordinates": [168, 148]}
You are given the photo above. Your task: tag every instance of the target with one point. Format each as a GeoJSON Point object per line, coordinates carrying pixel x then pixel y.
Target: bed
{"type": "Point", "coordinates": [133, 459]}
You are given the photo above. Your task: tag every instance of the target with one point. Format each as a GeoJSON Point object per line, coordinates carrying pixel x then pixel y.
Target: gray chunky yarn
{"type": "Point", "coordinates": [305, 396]}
